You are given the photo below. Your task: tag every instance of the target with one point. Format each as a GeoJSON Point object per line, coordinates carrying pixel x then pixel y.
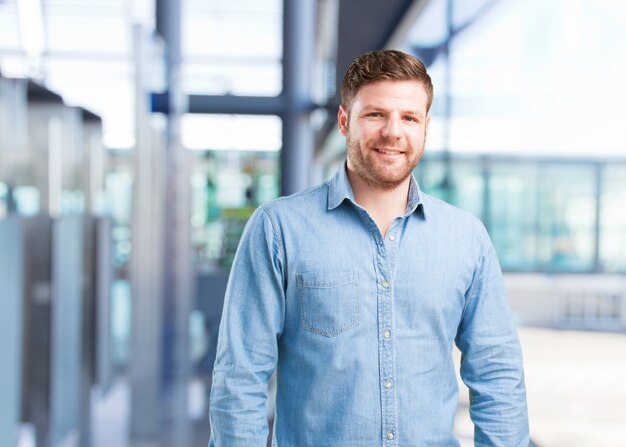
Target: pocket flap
{"type": "Point", "coordinates": [328, 278]}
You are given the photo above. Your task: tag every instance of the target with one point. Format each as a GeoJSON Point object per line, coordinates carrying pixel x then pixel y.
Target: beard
{"type": "Point", "coordinates": [381, 174]}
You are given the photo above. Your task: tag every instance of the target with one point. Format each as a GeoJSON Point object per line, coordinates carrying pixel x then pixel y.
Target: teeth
{"type": "Point", "coordinates": [389, 152]}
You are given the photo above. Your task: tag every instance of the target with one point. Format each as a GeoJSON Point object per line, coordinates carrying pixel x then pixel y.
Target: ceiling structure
{"type": "Point", "coordinates": [89, 43]}
{"type": "Point", "coordinates": [366, 25]}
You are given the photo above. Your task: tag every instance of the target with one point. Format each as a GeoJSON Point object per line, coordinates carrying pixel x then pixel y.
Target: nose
{"type": "Point", "coordinates": [391, 128]}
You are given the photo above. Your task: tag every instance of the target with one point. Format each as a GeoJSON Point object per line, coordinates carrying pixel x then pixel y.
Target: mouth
{"type": "Point", "coordinates": [388, 151]}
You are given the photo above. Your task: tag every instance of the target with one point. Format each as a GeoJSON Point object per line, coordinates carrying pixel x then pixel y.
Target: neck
{"type": "Point", "coordinates": [383, 205]}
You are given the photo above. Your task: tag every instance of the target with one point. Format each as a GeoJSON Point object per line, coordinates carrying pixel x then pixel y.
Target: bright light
{"type": "Point", "coordinates": [30, 16]}
{"type": "Point", "coordinates": [231, 132]}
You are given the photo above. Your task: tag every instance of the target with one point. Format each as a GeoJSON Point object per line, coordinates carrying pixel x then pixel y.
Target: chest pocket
{"type": "Point", "coordinates": [329, 302]}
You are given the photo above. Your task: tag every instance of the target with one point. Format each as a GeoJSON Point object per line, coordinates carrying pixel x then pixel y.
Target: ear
{"type": "Point", "coordinates": [426, 127]}
{"type": "Point", "coordinates": [342, 120]}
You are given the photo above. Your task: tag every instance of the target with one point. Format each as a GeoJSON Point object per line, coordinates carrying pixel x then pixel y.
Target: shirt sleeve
{"type": "Point", "coordinates": [252, 321]}
{"type": "Point", "coordinates": [491, 362]}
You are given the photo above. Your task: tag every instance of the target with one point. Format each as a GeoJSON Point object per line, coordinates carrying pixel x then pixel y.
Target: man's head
{"type": "Point", "coordinates": [384, 65]}
{"type": "Point", "coordinates": [386, 97]}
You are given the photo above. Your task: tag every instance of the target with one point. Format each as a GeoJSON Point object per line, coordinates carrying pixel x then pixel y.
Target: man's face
{"type": "Point", "coordinates": [385, 130]}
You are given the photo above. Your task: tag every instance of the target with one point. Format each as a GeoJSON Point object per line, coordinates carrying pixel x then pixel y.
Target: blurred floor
{"type": "Point", "coordinates": [110, 417]}
{"type": "Point", "coordinates": [576, 385]}
{"type": "Point", "coordinates": [110, 422]}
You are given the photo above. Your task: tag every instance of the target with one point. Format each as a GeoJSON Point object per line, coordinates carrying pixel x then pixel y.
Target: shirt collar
{"type": "Point", "coordinates": [340, 190]}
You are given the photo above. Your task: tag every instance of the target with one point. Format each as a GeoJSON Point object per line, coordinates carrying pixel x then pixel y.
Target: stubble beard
{"type": "Point", "coordinates": [377, 175]}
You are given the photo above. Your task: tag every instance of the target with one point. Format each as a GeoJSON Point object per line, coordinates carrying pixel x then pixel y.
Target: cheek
{"type": "Point", "coordinates": [366, 133]}
{"type": "Point", "coordinates": [418, 138]}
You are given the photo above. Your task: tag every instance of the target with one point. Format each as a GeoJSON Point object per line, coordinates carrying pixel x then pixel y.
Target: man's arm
{"type": "Point", "coordinates": [491, 364]}
{"type": "Point", "coordinates": [252, 321]}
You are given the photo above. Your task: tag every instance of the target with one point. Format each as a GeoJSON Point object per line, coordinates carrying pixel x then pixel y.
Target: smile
{"type": "Point", "coordinates": [389, 151]}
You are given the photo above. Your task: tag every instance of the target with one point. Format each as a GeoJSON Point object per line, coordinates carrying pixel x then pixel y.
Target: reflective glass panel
{"type": "Point", "coordinates": [232, 47]}
{"type": "Point", "coordinates": [512, 214]}
{"type": "Point", "coordinates": [613, 219]}
{"type": "Point", "coordinates": [226, 188]}
{"type": "Point", "coordinates": [518, 81]}
{"type": "Point", "coordinates": [567, 212]}
{"type": "Point", "coordinates": [459, 182]}
{"type": "Point", "coordinates": [467, 186]}
{"type": "Point", "coordinates": [430, 175]}
{"type": "Point", "coordinates": [231, 132]}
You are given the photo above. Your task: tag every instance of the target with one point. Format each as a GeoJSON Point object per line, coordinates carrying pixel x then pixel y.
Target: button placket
{"type": "Point", "coordinates": [386, 346]}
{"type": "Point", "coordinates": [385, 252]}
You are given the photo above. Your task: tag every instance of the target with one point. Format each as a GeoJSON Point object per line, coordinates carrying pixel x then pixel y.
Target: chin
{"type": "Point", "coordinates": [389, 181]}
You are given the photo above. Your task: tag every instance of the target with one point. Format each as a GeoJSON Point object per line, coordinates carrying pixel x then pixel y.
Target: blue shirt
{"type": "Point", "coordinates": [361, 328]}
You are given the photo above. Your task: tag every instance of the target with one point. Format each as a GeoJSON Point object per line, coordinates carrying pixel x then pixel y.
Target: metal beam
{"type": "Point", "coordinates": [40, 94]}
{"type": "Point", "coordinates": [145, 361]}
{"type": "Point", "coordinates": [298, 55]}
{"type": "Point", "coordinates": [177, 270]}
{"type": "Point", "coordinates": [168, 26]}
{"type": "Point", "coordinates": [227, 104]}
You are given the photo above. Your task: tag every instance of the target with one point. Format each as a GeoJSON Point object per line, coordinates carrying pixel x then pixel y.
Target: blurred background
{"type": "Point", "coordinates": [137, 136]}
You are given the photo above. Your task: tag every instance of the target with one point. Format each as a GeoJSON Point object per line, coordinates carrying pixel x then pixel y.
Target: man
{"type": "Point", "coordinates": [356, 290]}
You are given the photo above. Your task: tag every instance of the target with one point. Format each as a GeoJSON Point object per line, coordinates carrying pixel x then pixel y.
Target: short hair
{"type": "Point", "coordinates": [384, 65]}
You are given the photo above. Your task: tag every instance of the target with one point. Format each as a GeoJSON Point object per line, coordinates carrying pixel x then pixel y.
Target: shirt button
{"type": "Point", "coordinates": [392, 237]}
{"type": "Point", "coordinates": [390, 435]}
{"type": "Point", "coordinates": [388, 384]}
{"type": "Point", "coordinates": [387, 334]}
{"type": "Point", "coordinates": [386, 284]}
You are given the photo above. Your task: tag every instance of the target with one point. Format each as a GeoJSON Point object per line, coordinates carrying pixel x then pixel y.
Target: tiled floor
{"type": "Point", "coordinates": [576, 385]}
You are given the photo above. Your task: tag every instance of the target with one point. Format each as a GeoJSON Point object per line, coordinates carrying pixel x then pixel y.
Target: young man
{"type": "Point", "coordinates": [356, 291]}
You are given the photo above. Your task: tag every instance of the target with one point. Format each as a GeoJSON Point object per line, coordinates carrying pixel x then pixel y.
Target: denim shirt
{"type": "Point", "coordinates": [360, 328]}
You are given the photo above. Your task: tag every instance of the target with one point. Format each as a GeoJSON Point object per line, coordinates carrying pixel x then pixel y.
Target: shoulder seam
{"type": "Point", "coordinates": [278, 237]}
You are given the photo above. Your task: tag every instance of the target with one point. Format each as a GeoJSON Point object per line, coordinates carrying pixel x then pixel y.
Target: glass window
{"type": "Point", "coordinates": [567, 217]}
{"type": "Point", "coordinates": [27, 200]}
{"type": "Point", "coordinates": [459, 182]}
{"type": "Point", "coordinates": [74, 33]}
{"type": "Point", "coordinates": [226, 188]}
{"type": "Point", "coordinates": [512, 214]}
{"type": "Point", "coordinates": [9, 31]}
{"type": "Point", "coordinates": [224, 132]}
{"type": "Point", "coordinates": [232, 47]}
{"type": "Point", "coordinates": [104, 88]}
{"type": "Point", "coordinates": [517, 80]}
{"type": "Point", "coordinates": [613, 219]}
{"type": "Point", "coordinates": [467, 186]}
{"type": "Point", "coordinates": [430, 175]}
{"type": "Point", "coordinates": [119, 198]}
{"type": "Point", "coordinates": [247, 77]}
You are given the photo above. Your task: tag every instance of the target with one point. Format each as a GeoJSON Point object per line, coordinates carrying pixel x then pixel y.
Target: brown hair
{"type": "Point", "coordinates": [384, 65]}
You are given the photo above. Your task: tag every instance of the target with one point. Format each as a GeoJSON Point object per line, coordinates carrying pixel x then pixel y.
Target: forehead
{"type": "Point", "coordinates": [390, 93]}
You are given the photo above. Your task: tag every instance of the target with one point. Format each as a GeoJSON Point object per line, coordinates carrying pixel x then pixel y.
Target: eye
{"type": "Point", "coordinates": [374, 114]}
{"type": "Point", "coordinates": [410, 118]}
